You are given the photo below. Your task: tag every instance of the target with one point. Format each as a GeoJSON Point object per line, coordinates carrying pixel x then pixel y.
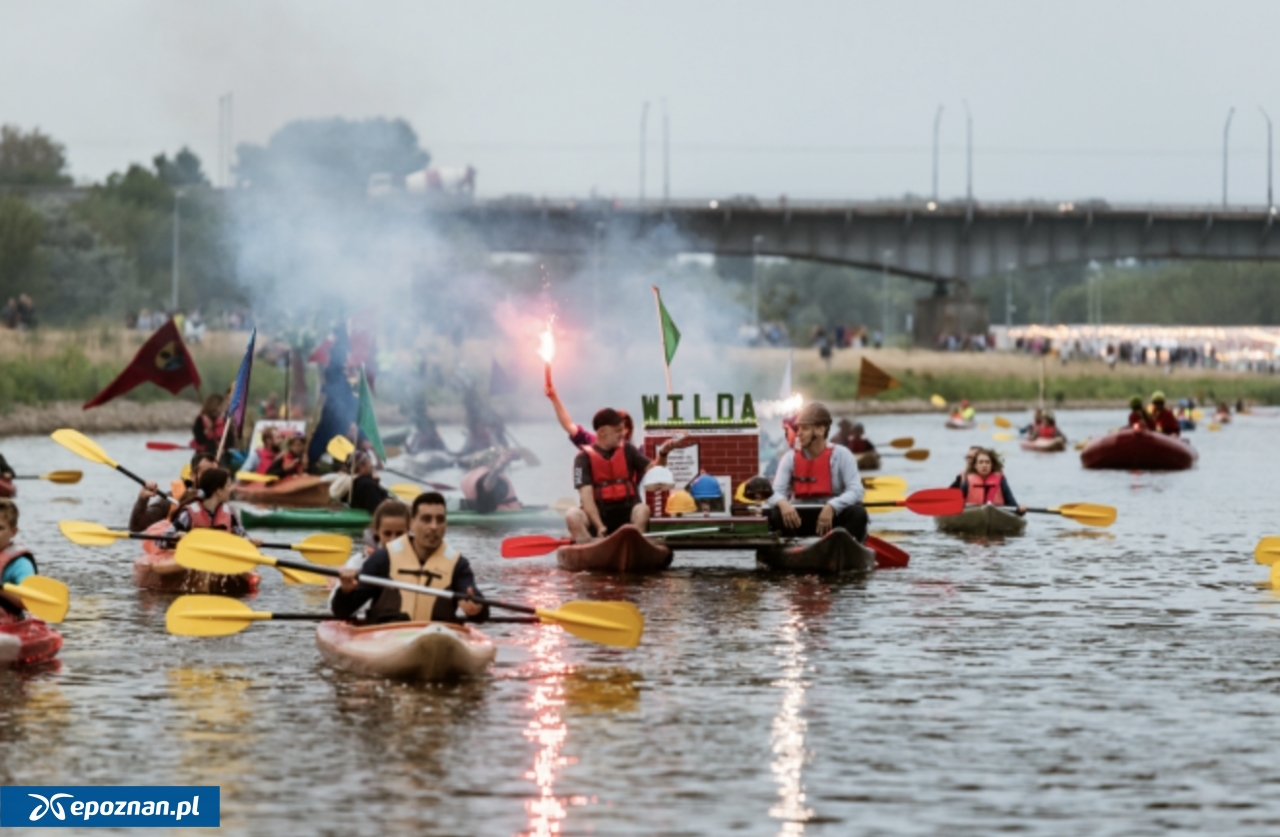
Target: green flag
{"type": "Point", "coordinates": [365, 419]}
{"type": "Point", "coordinates": [670, 334]}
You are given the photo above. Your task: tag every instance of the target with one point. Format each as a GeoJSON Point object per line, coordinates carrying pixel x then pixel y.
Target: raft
{"type": "Point", "coordinates": [159, 571]}
{"type": "Point", "coordinates": [346, 520]}
{"type": "Point", "coordinates": [625, 551]}
{"type": "Point", "coordinates": [297, 492]}
{"type": "Point", "coordinates": [1044, 445]}
{"type": "Point", "coordinates": [419, 651]}
{"type": "Point", "coordinates": [983, 521]}
{"type": "Point", "coordinates": [954, 423]}
{"type": "Point", "coordinates": [834, 553]}
{"type": "Point", "coordinates": [26, 642]}
{"type": "Point", "coordinates": [868, 460]}
{"type": "Point", "coordinates": [8, 489]}
{"type": "Point", "coordinates": [1138, 450]}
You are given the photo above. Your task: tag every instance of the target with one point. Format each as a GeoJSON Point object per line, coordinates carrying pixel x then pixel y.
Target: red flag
{"type": "Point", "coordinates": [320, 356]}
{"type": "Point", "coordinates": [163, 360]}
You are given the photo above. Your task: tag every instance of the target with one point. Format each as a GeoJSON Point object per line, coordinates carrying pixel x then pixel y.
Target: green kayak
{"type": "Point", "coordinates": [354, 520]}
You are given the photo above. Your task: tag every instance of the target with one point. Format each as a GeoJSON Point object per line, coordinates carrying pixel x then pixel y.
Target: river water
{"type": "Point", "coordinates": [1072, 681]}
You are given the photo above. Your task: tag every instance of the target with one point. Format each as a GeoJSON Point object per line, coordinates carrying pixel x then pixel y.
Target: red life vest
{"type": "Point", "coordinates": [859, 445]}
{"type": "Point", "coordinates": [200, 518]}
{"type": "Point", "coordinates": [213, 427]}
{"type": "Point", "coordinates": [1167, 423]}
{"type": "Point", "coordinates": [12, 553]}
{"type": "Point", "coordinates": [290, 464]}
{"type": "Point", "coordinates": [611, 477]}
{"type": "Point", "coordinates": [1047, 432]}
{"type": "Point", "coordinates": [812, 477]}
{"type": "Point", "coordinates": [265, 457]}
{"type": "Point", "coordinates": [982, 491]}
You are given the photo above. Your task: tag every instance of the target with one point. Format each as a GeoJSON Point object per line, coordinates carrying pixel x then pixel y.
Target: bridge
{"type": "Point", "coordinates": [946, 243]}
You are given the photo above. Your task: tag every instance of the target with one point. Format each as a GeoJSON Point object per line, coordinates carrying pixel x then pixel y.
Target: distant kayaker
{"type": "Point", "coordinates": [150, 508]}
{"type": "Point", "coordinates": [419, 557]}
{"type": "Point", "coordinates": [206, 432]}
{"type": "Point", "coordinates": [5, 471]}
{"type": "Point", "coordinates": [1049, 428]}
{"type": "Point", "coordinates": [367, 492]}
{"type": "Point", "coordinates": [607, 475]}
{"type": "Point", "coordinates": [1139, 419]}
{"type": "Point", "coordinates": [213, 510]}
{"type": "Point", "coordinates": [985, 482]}
{"type": "Point", "coordinates": [820, 477]}
{"type": "Point", "coordinates": [1162, 419]}
{"type": "Point", "coordinates": [580, 436]}
{"type": "Point", "coordinates": [16, 561]}
{"type": "Point", "coordinates": [964, 412]}
{"type": "Point", "coordinates": [293, 462]}
{"type": "Point", "coordinates": [1032, 430]}
{"type": "Point", "coordinates": [487, 489]}
{"type": "Point", "coordinates": [969, 456]}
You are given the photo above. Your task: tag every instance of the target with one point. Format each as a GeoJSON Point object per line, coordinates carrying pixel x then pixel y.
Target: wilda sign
{"type": "Point", "coordinates": [725, 414]}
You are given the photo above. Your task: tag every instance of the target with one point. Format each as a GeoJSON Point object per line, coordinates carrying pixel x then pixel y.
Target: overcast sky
{"type": "Point", "coordinates": [1115, 99]}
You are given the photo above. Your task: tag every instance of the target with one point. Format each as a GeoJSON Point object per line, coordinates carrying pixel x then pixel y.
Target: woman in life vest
{"type": "Point", "coordinates": [1138, 417]}
{"type": "Point", "coordinates": [1032, 430]}
{"type": "Point", "coordinates": [969, 456]}
{"type": "Point", "coordinates": [1049, 428]}
{"type": "Point", "coordinates": [213, 510]}
{"type": "Point", "coordinates": [293, 462]}
{"type": "Point", "coordinates": [985, 483]}
{"type": "Point", "coordinates": [207, 429]}
{"type": "Point", "coordinates": [16, 562]}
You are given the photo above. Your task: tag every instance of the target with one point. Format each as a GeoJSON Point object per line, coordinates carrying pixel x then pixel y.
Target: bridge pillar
{"type": "Point", "coordinates": [960, 315]}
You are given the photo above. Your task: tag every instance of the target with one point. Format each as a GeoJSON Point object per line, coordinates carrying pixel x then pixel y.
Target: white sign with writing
{"type": "Point", "coordinates": [683, 463]}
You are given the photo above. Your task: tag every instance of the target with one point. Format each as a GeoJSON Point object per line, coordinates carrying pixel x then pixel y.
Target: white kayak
{"type": "Point", "coordinates": [983, 521]}
{"type": "Point", "coordinates": [425, 651]}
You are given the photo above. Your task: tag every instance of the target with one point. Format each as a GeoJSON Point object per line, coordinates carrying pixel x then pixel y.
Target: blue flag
{"type": "Point", "coordinates": [240, 392]}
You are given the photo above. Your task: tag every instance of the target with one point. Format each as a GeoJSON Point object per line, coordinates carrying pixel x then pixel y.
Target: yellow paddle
{"type": "Point", "coordinates": [250, 476]}
{"type": "Point", "coordinates": [1002, 437]}
{"type": "Point", "coordinates": [917, 455]}
{"type": "Point", "coordinates": [1275, 576]}
{"type": "Point", "coordinates": [46, 598]}
{"type": "Point", "coordinates": [1001, 421]}
{"type": "Point", "coordinates": [405, 491]}
{"type": "Point", "coordinates": [1268, 550]}
{"type": "Point", "coordinates": [1197, 414]}
{"type": "Point", "coordinates": [618, 624]}
{"type": "Point", "coordinates": [60, 477]}
{"type": "Point", "coordinates": [937, 400]}
{"type": "Point", "coordinates": [884, 484]}
{"type": "Point", "coordinates": [323, 549]}
{"type": "Point", "coordinates": [1213, 427]}
{"type": "Point", "coordinates": [83, 446]}
{"type": "Point", "coordinates": [1090, 514]}
{"type": "Point", "coordinates": [340, 448]}
{"type": "Point", "coordinates": [903, 442]}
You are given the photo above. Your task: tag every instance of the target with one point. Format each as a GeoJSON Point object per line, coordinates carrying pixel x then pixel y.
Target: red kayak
{"type": "Point", "coordinates": [25, 642]}
{"type": "Point", "coordinates": [1138, 450]}
{"type": "Point", "coordinates": [8, 489]}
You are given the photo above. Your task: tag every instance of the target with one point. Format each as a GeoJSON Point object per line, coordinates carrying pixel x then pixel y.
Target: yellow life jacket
{"type": "Point", "coordinates": [436, 571]}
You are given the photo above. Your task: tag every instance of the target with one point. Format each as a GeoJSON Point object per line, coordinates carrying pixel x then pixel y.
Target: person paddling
{"type": "Point", "coordinates": [150, 508]}
{"type": "Point", "coordinates": [969, 456]}
{"type": "Point", "coordinates": [964, 412]}
{"type": "Point", "coordinates": [1162, 419]}
{"type": "Point", "coordinates": [856, 441]}
{"type": "Point", "coordinates": [607, 475]}
{"type": "Point", "coordinates": [213, 510]}
{"type": "Point", "coordinates": [293, 462]}
{"type": "Point", "coordinates": [16, 562]}
{"type": "Point", "coordinates": [818, 474]}
{"type": "Point", "coordinates": [419, 557]}
{"type": "Point", "coordinates": [1032, 430]}
{"type": "Point", "coordinates": [1139, 419]}
{"type": "Point", "coordinates": [1049, 428]}
{"type": "Point", "coordinates": [487, 489]}
{"type": "Point", "coordinates": [260, 459]}
{"type": "Point", "coordinates": [985, 482]}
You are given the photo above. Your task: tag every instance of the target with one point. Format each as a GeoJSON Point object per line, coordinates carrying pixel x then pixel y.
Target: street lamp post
{"type": "Point", "coordinates": [1270, 203]}
{"type": "Point", "coordinates": [644, 141]}
{"type": "Point", "coordinates": [173, 303]}
{"type": "Point", "coordinates": [884, 297]}
{"type": "Point", "coordinates": [1226, 130]}
{"type": "Point", "coordinates": [755, 278]}
{"type": "Point", "coordinates": [937, 127]}
{"type": "Point", "coordinates": [1008, 296]}
{"type": "Point", "coordinates": [968, 122]}
{"type": "Point", "coordinates": [666, 157]}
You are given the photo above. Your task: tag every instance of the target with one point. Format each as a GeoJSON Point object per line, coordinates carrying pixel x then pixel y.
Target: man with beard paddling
{"type": "Point", "coordinates": [817, 473]}
{"type": "Point", "coordinates": [419, 557]}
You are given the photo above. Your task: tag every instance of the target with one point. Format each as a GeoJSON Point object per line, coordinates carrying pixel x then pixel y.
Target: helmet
{"type": "Point", "coordinates": [705, 487]}
{"type": "Point", "coordinates": [815, 413]}
{"type": "Point", "coordinates": [1157, 397]}
{"type": "Point", "coordinates": [659, 479]}
{"type": "Point", "coordinates": [1135, 403]}
{"type": "Point", "coordinates": [680, 502]}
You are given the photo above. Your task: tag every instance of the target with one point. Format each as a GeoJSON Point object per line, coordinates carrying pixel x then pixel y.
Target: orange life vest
{"type": "Point", "coordinates": [611, 476]}
{"type": "Point", "coordinates": [265, 457]}
{"type": "Point", "coordinates": [983, 491]}
{"type": "Point", "coordinates": [812, 477]}
{"type": "Point", "coordinates": [201, 519]}
{"type": "Point", "coordinates": [12, 553]}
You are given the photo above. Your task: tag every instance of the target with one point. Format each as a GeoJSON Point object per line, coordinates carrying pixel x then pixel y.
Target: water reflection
{"type": "Point", "coordinates": [214, 726]}
{"type": "Point", "coordinates": [547, 730]}
{"type": "Point", "coordinates": [602, 689]}
{"type": "Point", "coordinates": [788, 736]}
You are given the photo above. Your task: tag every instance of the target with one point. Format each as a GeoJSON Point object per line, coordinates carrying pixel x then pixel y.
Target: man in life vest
{"type": "Point", "coordinates": [1138, 417]}
{"type": "Point", "coordinates": [421, 557]}
{"type": "Point", "coordinates": [607, 475]}
{"type": "Point", "coordinates": [817, 487]}
{"type": "Point", "coordinates": [486, 489]}
{"type": "Point", "coordinates": [16, 561]}
{"type": "Point", "coordinates": [260, 459]}
{"type": "Point", "coordinates": [1162, 419]}
{"type": "Point", "coordinates": [1049, 428]}
{"type": "Point", "coordinates": [150, 508]}
{"type": "Point", "coordinates": [212, 511]}
{"type": "Point", "coordinates": [985, 482]}
{"type": "Point", "coordinates": [293, 462]}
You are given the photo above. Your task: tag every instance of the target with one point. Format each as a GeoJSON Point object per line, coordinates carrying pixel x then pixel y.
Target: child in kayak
{"type": "Point", "coordinates": [390, 521]}
{"type": "Point", "coordinates": [213, 510]}
{"type": "Point", "coordinates": [985, 482]}
{"type": "Point", "coordinates": [293, 462]}
{"type": "Point", "coordinates": [16, 562]}
{"type": "Point", "coordinates": [150, 508]}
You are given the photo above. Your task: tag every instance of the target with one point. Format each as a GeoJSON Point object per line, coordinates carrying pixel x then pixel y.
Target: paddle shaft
{"type": "Point", "coordinates": [329, 617]}
{"type": "Point", "coordinates": [438, 486]}
{"type": "Point", "coordinates": [140, 481]}
{"type": "Point", "coordinates": [139, 536]}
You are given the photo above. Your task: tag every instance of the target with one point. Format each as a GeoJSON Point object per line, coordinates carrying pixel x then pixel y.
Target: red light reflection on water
{"type": "Point", "coordinates": [547, 730]}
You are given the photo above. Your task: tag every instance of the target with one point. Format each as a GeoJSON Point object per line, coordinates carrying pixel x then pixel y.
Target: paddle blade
{"type": "Point", "coordinates": [330, 550]}
{"type": "Point", "coordinates": [918, 455]}
{"type": "Point", "coordinates": [619, 624]}
{"type": "Point", "coordinates": [903, 442]}
{"type": "Point", "coordinates": [250, 476]}
{"type": "Point", "coordinates": [165, 446]}
{"type": "Point", "coordinates": [213, 551]}
{"type": "Point", "coordinates": [1090, 514]}
{"type": "Point", "coordinates": [937, 401]}
{"type": "Point", "coordinates": [208, 616]}
{"type": "Point", "coordinates": [300, 577]}
{"type": "Point", "coordinates": [82, 445]}
{"type": "Point", "coordinates": [1275, 576]}
{"type": "Point", "coordinates": [888, 556]}
{"type": "Point", "coordinates": [340, 448]}
{"type": "Point", "coordinates": [1268, 550]}
{"type": "Point", "coordinates": [1213, 427]}
{"type": "Point", "coordinates": [527, 546]}
{"type": "Point", "coordinates": [392, 451]}
{"type": "Point", "coordinates": [46, 598]}
{"type": "Point", "coordinates": [63, 477]}
{"type": "Point", "coordinates": [1002, 437]}
{"type": "Point", "coordinates": [405, 491]}
{"type": "Point", "coordinates": [83, 533]}
{"type": "Point", "coordinates": [935, 502]}
{"type": "Point", "coordinates": [885, 484]}
{"type": "Point", "coordinates": [1001, 421]}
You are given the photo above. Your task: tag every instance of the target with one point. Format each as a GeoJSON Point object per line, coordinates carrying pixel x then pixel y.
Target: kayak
{"type": "Point", "coordinates": [8, 489]}
{"type": "Point", "coordinates": [983, 521]}
{"type": "Point", "coordinates": [423, 651]}
{"type": "Point", "coordinates": [299, 492]}
{"type": "Point", "coordinates": [1138, 450]}
{"type": "Point", "coordinates": [25, 642]}
{"type": "Point", "coordinates": [835, 552]}
{"type": "Point", "coordinates": [1044, 445]}
{"type": "Point", "coordinates": [625, 551]}
{"type": "Point", "coordinates": [960, 424]}
{"type": "Point", "coordinates": [357, 519]}
{"type": "Point", "coordinates": [159, 571]}
{"type": "Point", "coordinates": [868, 461]}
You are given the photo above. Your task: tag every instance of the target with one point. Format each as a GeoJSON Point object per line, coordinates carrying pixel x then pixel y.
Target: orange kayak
{"type": "Point", "coordinates": [304, 492]}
